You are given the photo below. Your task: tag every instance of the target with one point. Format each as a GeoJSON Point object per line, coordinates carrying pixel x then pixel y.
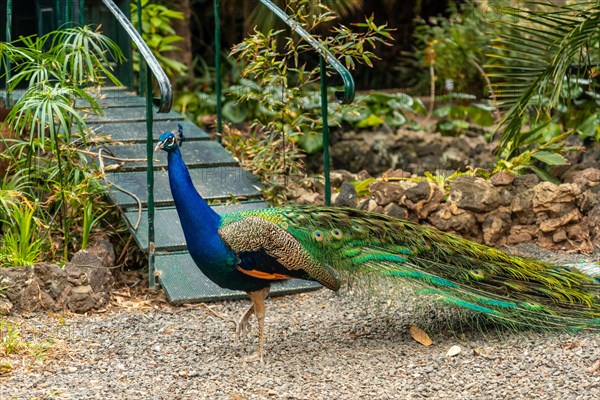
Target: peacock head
{"type": "Point", "coordinates": [171, 141]}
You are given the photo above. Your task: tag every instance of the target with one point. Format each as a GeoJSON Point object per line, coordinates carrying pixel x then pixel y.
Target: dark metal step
{"type": "Point", "coordinates": [113, 99]}
{"type": "Point", "coordinates": [200, 153]}
{"type": "Point", "coordinates": [135, 132]}
{"type": "Point", "coordinates": [183, 282]}
{"type": "Point", "coordinates": [221, 183]}
{"type": "Point", "coordinates": [169, 235]}
{"type": "Point", "coordinates": [130, 114]}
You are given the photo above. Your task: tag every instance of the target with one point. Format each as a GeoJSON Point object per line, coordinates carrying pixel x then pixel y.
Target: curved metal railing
{"type": "Point", "coordinates": [347, 95]}
{"type": "Point", "coordinates": [325, 57]}
{"type": "Point", "coordinates": [164, 105]}
{"type": "Point", "coordinates": [166, 91]}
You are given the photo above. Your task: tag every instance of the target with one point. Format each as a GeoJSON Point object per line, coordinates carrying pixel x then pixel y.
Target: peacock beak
{"type": "Point", "coordinates": [159, 145]}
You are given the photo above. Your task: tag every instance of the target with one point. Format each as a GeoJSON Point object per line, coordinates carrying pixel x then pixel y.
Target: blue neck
{"type": "Point", "coordinates": [200, 225]}
{"type": "Point", "coordinates": [199, 222]}
{"type": "Point", "coordinates": [192, 208]}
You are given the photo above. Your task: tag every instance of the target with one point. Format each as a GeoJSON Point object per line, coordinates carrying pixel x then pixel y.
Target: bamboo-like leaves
{"type": "Point", "coordinates": [47, 109]}
{"type": "Point", "coordinates": [77, 55]}
{"type": "Point", "coordinates": [265, 20]}
{"type": "Point", "coordinates": [86, 54]}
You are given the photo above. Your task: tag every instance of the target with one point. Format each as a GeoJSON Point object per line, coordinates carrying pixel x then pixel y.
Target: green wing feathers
{"type": "Point", "coordinates": [512, 290]}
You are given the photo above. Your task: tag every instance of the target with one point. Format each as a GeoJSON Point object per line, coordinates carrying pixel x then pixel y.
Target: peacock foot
{"type": "Point", "coordinates": [241, 329]}
{"type": "Point", "coordinates": [243, 325]}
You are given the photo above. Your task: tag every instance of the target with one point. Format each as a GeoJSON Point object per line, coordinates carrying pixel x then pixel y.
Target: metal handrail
{"type": "Point", "coordinates": [164, 106]}
{"type": "Point", "coordinates": [166, 91]}
{"type": "Point", "coordinates": [8, 11]}
{"type": "Point", "coordinates": [345, 97]}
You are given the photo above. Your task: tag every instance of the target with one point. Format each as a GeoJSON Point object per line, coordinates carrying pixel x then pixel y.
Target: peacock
{"type": "Point", "coordinates": [252, 250]}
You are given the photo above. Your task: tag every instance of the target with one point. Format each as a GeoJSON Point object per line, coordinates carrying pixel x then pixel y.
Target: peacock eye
{"type": "Point", "coordinates": [336, 233]}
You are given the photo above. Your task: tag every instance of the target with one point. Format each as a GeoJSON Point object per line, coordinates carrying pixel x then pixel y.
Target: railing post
{"type": "Point", "coordinates": [6, 59]}
{"type": "Point", "coordinates": [146, 84]}
{"type": "Point", "coordinates": [218, 82]}
{"type": "Point", "coordinates": [82, 12]}
{"type": "Point", "coordinates": [150, 178]}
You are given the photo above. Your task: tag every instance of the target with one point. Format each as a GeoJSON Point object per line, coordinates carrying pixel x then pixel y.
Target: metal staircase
{"type": "Point", "coordinates": [214, 171]}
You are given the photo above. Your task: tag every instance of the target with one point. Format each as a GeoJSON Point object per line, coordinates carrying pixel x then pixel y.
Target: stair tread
{"type": "Point", "coordinates": [183, 282]}
{"type": "Point", "coordinates": [130, 114]}
{"type": "Point", "coordinates": [201, 154]}
{"type": "Point", "coordinates": [136, 131]}
{"type": "Point", "coordinates": [115, 99]}
{"type": "Point", "coordinates": [211, 183]}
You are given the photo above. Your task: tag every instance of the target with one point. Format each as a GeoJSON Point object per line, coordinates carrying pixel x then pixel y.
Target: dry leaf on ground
{"type": "Point", "coordinates": [419, 335]}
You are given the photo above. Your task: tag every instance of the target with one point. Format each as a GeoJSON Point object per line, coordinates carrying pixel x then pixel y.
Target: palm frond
{"type": "Point", "coordinates": [533, 58]}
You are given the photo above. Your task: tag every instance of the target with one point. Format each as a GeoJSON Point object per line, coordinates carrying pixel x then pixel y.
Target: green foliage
{"type": "Point", "coordinates": [538, 60]}
{"type": "Point", "coordinates": [543, 144]}
{"type": "Point", "coordinates": [200, 99]}
{"type": "Point", "coordinates": [86, 55]}
{"type": "Point", "coordinates": [47, 113]}
{"type": "Point", "coordinates": [367, 111]}
{"type": "Point", "coordinates": [57, 201]}
{"type": "Point", "coordinates": [11, 193]}
{"type": "Point", "coordinates": [74, 56]}
{"type": "Point", "coordinates": [48, 181]}
{"type": "Point", "coordinates": [91, 216]}
{"type": "Point", "coordinates": [455, 47]}
{"type": "Point", "coordinates": [545, 61]}
{"type": "Point", "coordinates": [11, 338]}
{"type": "Point", "coordinates": [454, 118]}
{"type": "Point", "coordinates": [158, 33]}
{"type": "Point", "coordinates": [590, 127]}
{"type": "Point", "coordinates": [278, 75]}
{"type": "Point", "coordinates": [23, 242]}
{"type": "Point", "coordinates": [378, 108]}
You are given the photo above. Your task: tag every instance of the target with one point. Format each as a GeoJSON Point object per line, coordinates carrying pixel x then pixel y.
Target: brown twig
{"type": "Point", "coordinates": [109, 184]}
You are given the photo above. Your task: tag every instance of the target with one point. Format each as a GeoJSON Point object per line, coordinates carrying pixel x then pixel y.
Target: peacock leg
{"type": "Point", "coordinates": [244, 325]}
{"type": "Point", "coordinates": [258, 300]}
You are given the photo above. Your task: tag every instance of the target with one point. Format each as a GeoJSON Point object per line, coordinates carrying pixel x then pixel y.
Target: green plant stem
{"type": "Point", "coordinates": [325, 131]}
{"type": "Point", "coordinates": [65, 223]}
{"type": "Point", "coordinates": [431, 93]}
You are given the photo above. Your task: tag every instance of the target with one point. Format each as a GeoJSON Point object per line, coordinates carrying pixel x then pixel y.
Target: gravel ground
{"type": "Point", "coordinates": [321, 345]}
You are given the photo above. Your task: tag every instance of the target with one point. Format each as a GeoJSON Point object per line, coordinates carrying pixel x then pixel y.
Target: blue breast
{"type": "Point", "coordinates": [200, 225]}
